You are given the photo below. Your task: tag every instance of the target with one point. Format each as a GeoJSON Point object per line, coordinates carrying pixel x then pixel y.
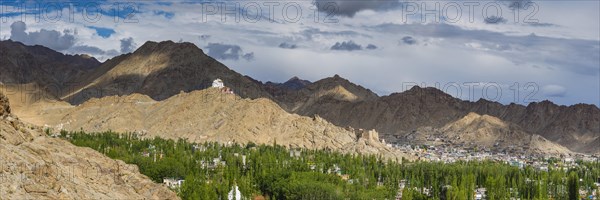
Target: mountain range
{"type": "Point", "coordinates": [165, 79]}
{"type": "Point", "coordinates": [576, 127]}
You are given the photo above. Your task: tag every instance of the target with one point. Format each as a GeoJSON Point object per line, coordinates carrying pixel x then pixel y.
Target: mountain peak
{"type": "Point", "coordinates": [337, 77]}
{"type": "Point", "coordinates": [335, 81]}
{"type": "Point", "coordinates": [166, 46]}
{"type": "Point", "coordinates": [426, 91]}
{"type": "Point", "coordinates": [296, 83]}
{"type": "Point", "coordinates": [293, 79]}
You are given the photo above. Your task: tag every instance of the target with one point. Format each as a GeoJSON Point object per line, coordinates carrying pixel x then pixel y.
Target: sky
{"type": "Point", "coordinates": [510, 51]}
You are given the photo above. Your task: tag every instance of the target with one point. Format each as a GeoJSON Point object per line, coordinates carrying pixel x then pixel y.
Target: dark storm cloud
{"type": "Point", "coordinates": [494, 20]}
{"type": "Point", "coordinates": [48, 38]}
{"type": "Point", "coordinates": [285, 45]}
{"type": "Point", "coordinates": [346, 46]}
{"type": "Point", "coordinates": [371, 47]}
{"type": "Point", "coordinates": [228, 52]}
{"type": "Point", "coordinates": [128, 45]}
{"type": "Point", "coordinates": [349, 8]}
{"type": "Point", "coordinates": [408, 40]}
{"type": "Point", "coordinates": [248, 56]}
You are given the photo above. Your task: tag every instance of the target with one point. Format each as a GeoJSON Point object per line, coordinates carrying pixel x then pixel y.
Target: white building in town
{"type": "Point", "coordinates": [172, 183]}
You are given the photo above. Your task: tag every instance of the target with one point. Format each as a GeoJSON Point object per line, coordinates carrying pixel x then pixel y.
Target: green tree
{"type": "Point", "coordinates": [573, 186]}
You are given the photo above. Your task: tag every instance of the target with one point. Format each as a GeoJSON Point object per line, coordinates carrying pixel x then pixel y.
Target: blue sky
{"type": "Point", "coordinates": [507, 51]}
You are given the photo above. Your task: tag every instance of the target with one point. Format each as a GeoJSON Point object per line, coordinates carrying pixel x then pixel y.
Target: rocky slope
{"type": "Point", "coordinates": [211, 115]}
{"type": "Point", "coordinates": [34, 166]}
{"type": "Point", "coordinates": [161, 70]}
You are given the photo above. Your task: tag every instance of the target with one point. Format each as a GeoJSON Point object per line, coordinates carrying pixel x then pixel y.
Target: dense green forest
{"type": "Point", "coordinates": [210, 170]}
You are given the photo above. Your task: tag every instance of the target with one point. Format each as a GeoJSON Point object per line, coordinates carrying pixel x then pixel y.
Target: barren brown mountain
{"type": "Point", "coordinates": [161, 70]}
{"type": "Point", "coordinates": [398, 114]}
{"type": "Point", "coordinates": [489, 132]}
{"type": "Point", "coordinates": [35, 166]}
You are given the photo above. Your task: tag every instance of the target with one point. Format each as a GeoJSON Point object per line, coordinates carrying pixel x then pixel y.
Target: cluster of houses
{"type": "Point", "coordinates": [451, 154]}
{"type": "Point", "coordinates": [448, 154]}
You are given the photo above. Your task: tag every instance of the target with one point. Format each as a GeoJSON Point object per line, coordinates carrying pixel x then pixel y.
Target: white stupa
{"type": "Point", "coordinates": [218, 83]}
{"type": "Point", "coordinates": [235, 193]}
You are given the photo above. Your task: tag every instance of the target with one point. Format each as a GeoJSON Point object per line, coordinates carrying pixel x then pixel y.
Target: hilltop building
{"type": "Point", "coordinates": [218, 83]}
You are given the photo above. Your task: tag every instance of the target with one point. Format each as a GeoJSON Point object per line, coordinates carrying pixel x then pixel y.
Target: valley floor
{"type": "Point", "coordinates": [213, 170]}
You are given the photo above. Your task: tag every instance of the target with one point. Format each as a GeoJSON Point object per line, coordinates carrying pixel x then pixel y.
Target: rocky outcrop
{"type": "Point", "coordinates": [35, 166]}
{"type": "Point", "coordinates": [371, 135]}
